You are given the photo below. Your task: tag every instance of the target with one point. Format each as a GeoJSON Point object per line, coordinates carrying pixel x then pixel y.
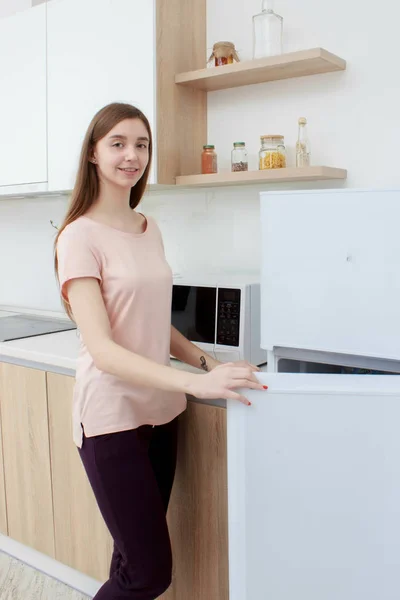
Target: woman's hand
{"type": "Point", "coordinates": [213, 364]}
{"type": "Point", "coordinates": [244, 363]}
{"type": "Point", "coordinates": [223, 379]}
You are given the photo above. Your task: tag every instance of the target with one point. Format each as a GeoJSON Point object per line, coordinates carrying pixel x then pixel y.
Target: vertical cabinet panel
{"type": "Point", "coordinates": [26, 457]}
{"type": "Point", "coordinates": [82, 539]}
{"type": "Point", "coordinates": [23, 140]}
{"type": "Point", "coordinates": [3, 506]}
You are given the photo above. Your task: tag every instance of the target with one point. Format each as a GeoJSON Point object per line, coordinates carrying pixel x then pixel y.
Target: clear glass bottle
{"type": "Point", "coordinates": [303, 154]}
{"type": "Point", "coordinates": [239, 158]}
{"type": "Point", "coordinates": [273, 152]}
{"type": "Point", "coordinates": [267, 31]}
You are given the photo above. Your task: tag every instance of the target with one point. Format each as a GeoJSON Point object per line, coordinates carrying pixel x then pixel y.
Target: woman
{"type": "Point", "coordinates": [117, 286]}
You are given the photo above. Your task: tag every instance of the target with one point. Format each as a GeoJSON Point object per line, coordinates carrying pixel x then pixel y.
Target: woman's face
{"type": "Point", "coordinates": [122, 155]}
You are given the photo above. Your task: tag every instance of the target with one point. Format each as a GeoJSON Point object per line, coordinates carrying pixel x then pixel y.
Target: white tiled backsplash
{"type": "Point", "coordinates": [200, 230]}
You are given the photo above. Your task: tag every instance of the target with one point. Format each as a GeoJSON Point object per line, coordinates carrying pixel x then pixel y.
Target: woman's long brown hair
{"type": "Point", "coordinates": [87, 185]}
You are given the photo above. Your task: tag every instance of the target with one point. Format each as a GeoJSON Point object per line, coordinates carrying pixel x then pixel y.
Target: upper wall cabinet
{"type": "Point", "coordinates": [99, 51]}
{"type": "Point", "coordinates": [102, 51]}
{"type": "Point", "coordinates": [23, 158]}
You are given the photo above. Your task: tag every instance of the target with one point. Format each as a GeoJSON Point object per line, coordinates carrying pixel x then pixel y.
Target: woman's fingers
{"type": "Point", "coordinates": [243, 373]}
{"type": "Point", "coordinates": [245, 383]}
{"type": "Point", "coordinates": [229, 395]}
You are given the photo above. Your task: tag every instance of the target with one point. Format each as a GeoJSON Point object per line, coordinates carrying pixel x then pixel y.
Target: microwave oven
{"type": "Point", "coordinates": [221, 316]}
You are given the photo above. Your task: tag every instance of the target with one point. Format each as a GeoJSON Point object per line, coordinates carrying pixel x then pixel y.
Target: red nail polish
{"type": "Point", "coordinates": [265, 387]}
{"type": "Point", "coordinates": [249, 404]}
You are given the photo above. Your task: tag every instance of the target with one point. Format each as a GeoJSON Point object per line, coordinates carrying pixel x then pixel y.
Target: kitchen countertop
{"type": "Point", "coordinates": [58, 352]}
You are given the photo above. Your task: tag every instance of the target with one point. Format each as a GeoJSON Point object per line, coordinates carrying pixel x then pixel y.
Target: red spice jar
{"type": "Point", "coordinates": [209, 160]}
{"type": "Point", "coordinates": [224, 53]}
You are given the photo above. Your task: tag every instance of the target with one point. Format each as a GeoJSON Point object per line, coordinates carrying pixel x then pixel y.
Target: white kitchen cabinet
{"type": "Point", "coordinates": [330, 271]}
{"type": "Point", "coordinates": [314, 489]}
{"type": "Point", "coordinates": [99, 51]}
{"type": "Point", "coordinates": [23, 144]}
{"type": "Point", "coordinates": [61, 61]}
{"type": "Point", "coordinates": [102, 51]}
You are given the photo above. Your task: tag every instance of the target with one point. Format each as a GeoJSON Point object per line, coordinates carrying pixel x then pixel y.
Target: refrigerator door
{"type": "Point", "coordinates": [314, 489]}
{"type": "Point", "coordinates": [330, 271]}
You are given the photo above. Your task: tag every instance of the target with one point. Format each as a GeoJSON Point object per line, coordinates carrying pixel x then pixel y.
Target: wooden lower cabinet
{"type": "Point", "coordinates": [82, 539]}
{"type": "Point", "coordinates": [26, 453]}
{"type": "Point", "coordinates": [3, 506]}
{"type": "Point", "coordinates": [50, 505]}
{"type": "Point", "coordinates": [198, 514]}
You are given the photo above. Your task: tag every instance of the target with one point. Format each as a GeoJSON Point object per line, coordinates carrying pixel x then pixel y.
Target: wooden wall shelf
{"type": "Point", "coordinates": [290, 174]}
{"type": "Point", "coordinates": [285, 66]}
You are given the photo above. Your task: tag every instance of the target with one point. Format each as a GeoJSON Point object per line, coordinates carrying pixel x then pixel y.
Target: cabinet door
{"type": "Point", "coordinates": [99, 51]}
{"type": "Point", "coordinates": [314, 489]}
{"type": "Point", "coordinates": [23, 142]}
{"type": "Point", "coordinates": [198, 513]}
{"type": "Point", "coordinates": [26, 457]}
{"type": "Point", "coordinates": [3, 506]}
{"type": "Point", "coordinates": [82, 539]}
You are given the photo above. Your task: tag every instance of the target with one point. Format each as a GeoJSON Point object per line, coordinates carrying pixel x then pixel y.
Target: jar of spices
{"type": "Point", "coordinates": [224, 53]}
{"type": "Point", "coordinates": [273, 153]}
{"type": "Point", "coordinates": [239, 157]}
{"type": "Point", "coordinates": [209, 162]}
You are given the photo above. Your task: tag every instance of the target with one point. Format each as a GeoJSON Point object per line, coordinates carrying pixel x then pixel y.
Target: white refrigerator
{"type": "Point", "coordinates": [314, 463]}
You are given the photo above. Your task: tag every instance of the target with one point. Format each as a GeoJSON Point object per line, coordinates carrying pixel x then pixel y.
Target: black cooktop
{"type": "Point", "coordinates": [18, 327]}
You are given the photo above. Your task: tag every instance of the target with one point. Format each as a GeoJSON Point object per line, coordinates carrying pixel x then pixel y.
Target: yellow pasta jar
{"type": "Point", "coordinates": [272, 154]}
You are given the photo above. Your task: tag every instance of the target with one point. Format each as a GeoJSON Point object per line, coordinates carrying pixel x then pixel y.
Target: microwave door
{"type": "Point", "coordinates": [194, 314]}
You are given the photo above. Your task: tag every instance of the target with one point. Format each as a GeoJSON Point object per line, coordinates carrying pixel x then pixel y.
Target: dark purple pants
{"type": "Point", "coordinates": [131, 474]}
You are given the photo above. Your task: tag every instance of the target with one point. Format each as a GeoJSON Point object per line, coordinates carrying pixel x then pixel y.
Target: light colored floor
{"type": "Point", "coordinates": [20, 582]}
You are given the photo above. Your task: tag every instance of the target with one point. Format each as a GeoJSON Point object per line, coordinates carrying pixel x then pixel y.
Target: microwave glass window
{"type": "Point", "coordinates": [193, 312]}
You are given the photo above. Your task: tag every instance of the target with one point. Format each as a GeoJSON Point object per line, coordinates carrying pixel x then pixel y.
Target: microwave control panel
{"type": "Point", "coordinates": [228, 317]}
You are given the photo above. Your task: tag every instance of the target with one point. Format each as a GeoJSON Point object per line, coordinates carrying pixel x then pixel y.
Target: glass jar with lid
{"type": "Point", "coordinates": [272, 154]}
{"type": "Point", "coordinates": [239, 158]}
{"type": "Point", "coordinates": [209, 162]}
{"type": "Point", "coordinates": [224, 53]}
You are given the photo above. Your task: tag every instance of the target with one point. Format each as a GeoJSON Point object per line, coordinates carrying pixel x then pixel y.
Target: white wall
{"type": "Point", "coordinates": [200, 230]}
{"type": "Point", "coordinates": [9, 7]}
{"type": "Point", "coordinates": [354, 120]}
{"type": "Point", "coordinates": [354, 116]}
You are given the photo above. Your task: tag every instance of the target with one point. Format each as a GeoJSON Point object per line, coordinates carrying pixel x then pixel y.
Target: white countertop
{"type": "Point", "coordinates": [55, 350]}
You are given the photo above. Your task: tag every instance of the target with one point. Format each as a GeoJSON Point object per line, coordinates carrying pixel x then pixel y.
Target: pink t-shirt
{"type": "Point", "coordinates": [136, 285]}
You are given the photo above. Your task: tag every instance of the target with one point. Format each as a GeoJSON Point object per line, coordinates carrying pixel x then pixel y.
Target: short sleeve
{"type": "Point", "coordinates": [76, 258]}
